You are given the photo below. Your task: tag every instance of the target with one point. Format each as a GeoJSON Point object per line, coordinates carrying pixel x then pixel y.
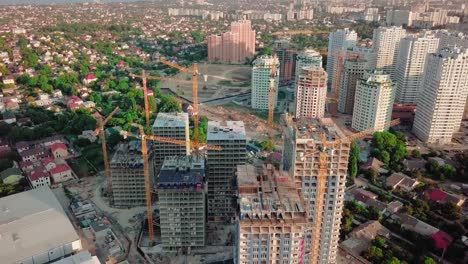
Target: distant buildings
{"type": "Point", "coordinates": [182, 189]}
{"type": "Point", "coordinates": [311, 92]}
{"type": "Point", "coordinates": [170, 125]}
{"type": "Point", "coordinates": [373, 102]}
{"type": "Point", "coordinates": [235, 46]}
{"type": "Point", "coordinates": [261, 81]}
{"type": "Point", "coordinates": [399, 18]}
{"type": "Point", "coordinates": [272, 212]}
{"type": "Point", "coordinates": [386, 43]}
{"type": "Point", "coordinates": [301, 158]}
{"type": "Point", "coordinates": [339, 41]}
{"type": "Point", "coordinates": [409, 70]}
{"type": "Point", "coordinates": [353, 70]}
{"type": "Point", "coordinates": [35, 228]}
{"type": "Point", "coordinates": [128, 182]}
{"type": "Point", "coordinates": [221, 167]}
{"type": "Point", "coordinates": [440, 110]}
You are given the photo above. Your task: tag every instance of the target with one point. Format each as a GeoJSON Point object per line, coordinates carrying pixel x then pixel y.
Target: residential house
{"type": "Point", "coordinates": [401, 182]}
{"type": "Point", "coordinates": [26, 166]}
{"type": "Point", "coordinates": [57, 93]}
{"type": "Point", "coordinates": [440, 196]}
{"type": "Point", "coordinates": [414, 164]}
{"type": "Point", "coordinates": [374, 164]}
{"type": "Point", "coordinates": [61, 173]}
{"type": "Point", "coordinates": [411, 223]}
{"type": "Point", "coordinates": [59, 150]}
{"type": "Point", "coordinates": [49, 163]}
{"type": "Point", "coordinates": [43, 100]}
{"type": "Point", "coordinates": [362, 196]}
{"type": "Point", "coordinates": [442, 240]}
{"type": "Point", "coordinates": [90, 78]}
{"type": "Point", "coordinates": [39, 177]}
{"type": "Point", "coordinates": [74, 102]}
{"type": "Point", "coordinates": [361, 238]}
{"type": "Point", "coordinates": [11, 176]}
{"type": "Point", "coordinates": [34, 154]}
{"type": "Point", "coordinates": [89, 104]}
{"type": "Point", "coordinates": [89, 135]}
{"type": "Point", "coordinates": [11, 104]}
{"type": "Point", "coordinates": [9, 118]}
{"type": "Point", "coordinates": [5, 148]}
{"type": "Point", "coordinates": [394, 207]}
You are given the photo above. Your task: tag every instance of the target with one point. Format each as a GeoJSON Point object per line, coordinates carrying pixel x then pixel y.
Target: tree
{"type": "Point", "coordinates": [354, 160]}
{"type": "Point", "coordinates": [379, 242]}
{"type": "Point", "coordinates": [373, 213]}
{"type": "Point", "coordinates": [393, 260]}
{"type": "Point", "coordinates": [374, 253]}
{"type": "Point", "coordinates": [451, 210]}
{"type": "Point", "coordinates": [385, 157]}
{"type": "Point", "coordinates": [429, 260]}
{"type": "Point", "coordinates": [198, 36]}
{"type": "Point", "coordinates": [416, 153]}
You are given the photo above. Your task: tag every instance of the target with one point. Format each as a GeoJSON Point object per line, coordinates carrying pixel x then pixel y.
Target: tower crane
{"type": "Point", "coordinates": [322, 179]}
{"type": "Point", "coordinates": [146, 167]}
{"type": "Point", "coordinates": [194, 72]}
{"type": "Point", "coordinates": [272, 92]}
{"type": "Point", "coordinates": [100, 131]}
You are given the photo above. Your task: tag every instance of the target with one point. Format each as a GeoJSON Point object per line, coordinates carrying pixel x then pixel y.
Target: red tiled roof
{"type": "Point", "coordinates": [37, 173]}
{"type": "Point", "coordinates": [436, 195]}
{"type": "Point", "coordinates": [47, 160]}
{"type": "Point", "coordinates": [91, 77]}
{"type": "Point", "coordinates": [60, 168]}
{"type": "Point", "coordinates": [25, 163]}
{"type": "Point", "coordinates": [58, 145]}
{"type": "Point", "coordinates": [442, 239]}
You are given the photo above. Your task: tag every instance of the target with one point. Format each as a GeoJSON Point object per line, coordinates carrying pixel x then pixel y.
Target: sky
{"type": "Point", "coordinates": [9, 2]}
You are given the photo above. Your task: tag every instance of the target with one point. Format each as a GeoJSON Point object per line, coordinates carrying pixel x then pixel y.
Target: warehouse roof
{"type": "Point", "coordinates": [26, 221]}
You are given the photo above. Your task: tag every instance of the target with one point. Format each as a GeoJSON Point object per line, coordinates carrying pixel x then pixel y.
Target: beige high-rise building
{"type": "Point", "coordinates": [373, 101]}
{"type": "Point", "coordinates": [444, 95]}
{"type": "Point", "coordinates": [301, 157]}
{"type": "Point", "coordinates": [306, 58]}
{"type": "Point", "coordinates": [311, 92]}
{"type": "Point", "coordinates": [273, 221]}
{"type": "Point", "coordinates": [409, 70]}
{"type": "Point", "coordinates": [353, 70]}
{"type": "Point", "coordinates": [386, 43]}
{"type": "Point", "coordinates": [234, 46]}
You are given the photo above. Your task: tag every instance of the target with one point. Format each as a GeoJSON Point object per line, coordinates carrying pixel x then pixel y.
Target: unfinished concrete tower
{"type": "Point", "coordinates": [182, 190]}
{"type": "Point", "coordinates": [221, 167]}
{"type": "Point", "coordinates": [128, 181]}
{"type": "Point", "coordinates": [303, 148]}
{"type": "Point", "coordinates": [273, 221]}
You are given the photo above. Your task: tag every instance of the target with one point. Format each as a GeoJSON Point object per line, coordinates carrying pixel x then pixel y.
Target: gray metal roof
{"type": "Point", "coordinates": [31, 223]}
{"type": "Point", "coordinates": [171, 120]}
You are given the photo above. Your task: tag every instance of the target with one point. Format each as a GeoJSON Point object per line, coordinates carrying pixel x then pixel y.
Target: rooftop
{"type": "Point", "coordinates": [128, 154]}
{"type": "Point", "coordinates": [26, 221]}
{"type": "Point", "coordinates": [82, 257]}
{"type": "Point", "coordinates": [312, 128]}
{"type": "Point", "coordinates": [234, 130]}
{"type": "Point", "coordinates": [267, 194]}
{"type": "Point", "coordinates": [182, 171]}
{"type": "Point", "coordinates": [171, 120]}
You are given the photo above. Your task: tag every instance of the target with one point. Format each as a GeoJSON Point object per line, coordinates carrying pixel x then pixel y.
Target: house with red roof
{"type": "Point", "coordinates": [74, 102]}
{"type": "Point", "coordinates": [49, 163]}
{"type": "Point", "coordinates": [90, 78]}
{"type": "Point", "coordinates": [34, 154]}
{"type": "Point", "coordinates": [442, 240]}
{"type": "Point", "coordinates": [59, 150]}
{"type": "Point", "coordinates": [61, 173]}
{"type": "Point", "coordinates": [440, 196]}
{"type": "Point", "coordinates": [39, 177]}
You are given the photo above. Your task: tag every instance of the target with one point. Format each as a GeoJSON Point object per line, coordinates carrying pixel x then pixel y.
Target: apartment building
{"type": "Point", "coordinates": [386, 43]}
{"type": "Point", "coordinates": [353, 70]}
{"type": "Point", "coordinates": [171, 125]}
{"type": "Point", "coordinates": [261, 81]}
{"type": "Point", "coordinates": [339, 41]}
{"type": "Point", "coordinates": [303, 147]}
{"type": "Point", "coordinates": [445, 88]}
{"type": "Point", "coordinates": [182, 198]}
{"type": "Point", "coordinates": [409, 70]}
{"type": "Point", "coordinates": [233, 46]}
{"type": "Point", "coordinates": [373, 101]}
{"type": "Point", "coordinates": [128, 181]}
{"type": "Point", "coordinates": [221, 167]}
{"type": "Point", "coordinates": [287, 59]}
{"type": "Point", "coordinates": [311, 92]}
{"type": "Point", "coordinates": [273, 221]}
{"type": "Point", "coordinates": [306, 58]}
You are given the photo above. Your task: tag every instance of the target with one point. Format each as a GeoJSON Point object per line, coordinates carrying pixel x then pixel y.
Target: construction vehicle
{"type": "Point", "coordinates": [272, 92]}
{"type": "Point", "coordinates": [328, 146]}
{"type": "Point", "coordinates": [100, 131]}
{"type": "Point", "coordinates": [146, 166]}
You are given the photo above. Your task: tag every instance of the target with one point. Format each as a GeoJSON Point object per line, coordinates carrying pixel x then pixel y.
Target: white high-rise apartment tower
{"type": "Point", "coordinates": [311, 92]}
{"type": "Point", "coordinates": [445, 89]}
{"type": "Point", "coordinates": [339, 41]}
{"type": "Point", "coordinates": [409, 70]}
{"type": "Point", "coordinates": [386, 42]}
{"type": "Point", "coordinates": [373, 101]}
{"type": "Point", "coordinates": [261, 79]}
